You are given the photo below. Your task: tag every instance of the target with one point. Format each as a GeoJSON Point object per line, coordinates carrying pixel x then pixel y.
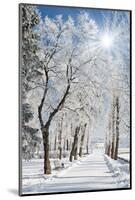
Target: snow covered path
{"type": "Point", "coordinates": [91, 173]}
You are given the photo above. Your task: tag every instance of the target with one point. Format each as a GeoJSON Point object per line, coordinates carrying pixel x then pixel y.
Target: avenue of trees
{"type": "Point", "coordinates": [65, 82]}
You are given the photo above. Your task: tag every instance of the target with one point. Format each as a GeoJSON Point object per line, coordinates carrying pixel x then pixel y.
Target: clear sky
{"type": "Point", "coordinates": [96, 14]}
{"type": "Point", "coordinates": [52, 11]}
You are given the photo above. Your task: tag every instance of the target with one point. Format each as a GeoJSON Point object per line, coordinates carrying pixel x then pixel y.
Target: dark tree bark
{"type": "Point", "coordinates": [71, 154]}
{"type": "Point", "coordinates": [45, 129]}
{"type": "Point", "coordinates": [109, 149]}
{"type": "Point", "coordinates": [60, 138]}
{"type": "Point", "coordinates": [117, 129]}
{"type": "Point", "coordinates": [87, 146]}
{"type": "Point", "coordinates": [60, 148]}
{"type": "Point", "coordinates": [67, 145]}
{"type": "Point", "coordinates": [112, 149]}
{"type": "Point", "coordinates": [60, 153]}
{"type": "Point", "coordinates": [47, 165]}
{"type": "Point", "coordinates": [108, 136]}
{"type": "Point", "coordinates": [82, 141]}
{"type": "Point", "coordinates": [74, 145]}
{"type": "Point", "coordinates": [108, 143]}
{"type": "Point", "coordinates": [76, 148]}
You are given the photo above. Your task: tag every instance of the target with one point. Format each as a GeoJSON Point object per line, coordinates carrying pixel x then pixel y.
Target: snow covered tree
{"type": "Point", "coordinates": [112, 139]}
{"type": "Point", "coordinates": [118, 85]}
{"type": "Point", "coordinates": [56, 43]}
{"type": "Point", "coordinates": [30, 138]}
{"type": "Point", "coordinates": [68, 70]}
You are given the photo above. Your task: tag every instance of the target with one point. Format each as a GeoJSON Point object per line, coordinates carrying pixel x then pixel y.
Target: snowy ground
{"type": "Point", "coordinates": [121, 170]}
{"type": "Point", "coordinates": [124, 153]}
{"type": "Point", "coordinates": [94, 172]}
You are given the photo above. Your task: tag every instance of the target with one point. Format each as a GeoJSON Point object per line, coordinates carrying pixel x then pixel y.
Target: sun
{"type": "Point", "coordinates": [106, 41]}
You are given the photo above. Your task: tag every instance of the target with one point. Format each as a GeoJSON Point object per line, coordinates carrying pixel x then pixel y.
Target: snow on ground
{"type": "Point", "coordinates": [121, 170]}
{"type": "Point", "coordinates": [125, 156]}
{"type": "Point", "coordinates": [124, 153]}
{"type": "Point", "coordinates": [89, 173]}
{"type": "Point", "coordinates": [32, 171]}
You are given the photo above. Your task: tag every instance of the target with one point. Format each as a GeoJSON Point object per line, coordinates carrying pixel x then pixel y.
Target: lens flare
{"type": "Point", "coordinates": [106, 41]}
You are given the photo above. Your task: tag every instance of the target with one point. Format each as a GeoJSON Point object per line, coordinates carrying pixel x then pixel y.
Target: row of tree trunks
{"type": "Point", "coordinates": [66, 144]}
{"type": "Point", "coordinates": [112, 139]}
{"type": "Point", "coordinates": [74, 149]}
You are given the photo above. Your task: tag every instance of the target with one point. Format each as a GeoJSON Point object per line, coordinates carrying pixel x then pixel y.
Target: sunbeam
{"type": "Point", "coordinates": [106, 40]}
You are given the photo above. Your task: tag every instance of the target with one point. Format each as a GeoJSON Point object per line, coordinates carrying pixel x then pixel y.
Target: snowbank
{"type": "Point", "coordinates": [119, 170]}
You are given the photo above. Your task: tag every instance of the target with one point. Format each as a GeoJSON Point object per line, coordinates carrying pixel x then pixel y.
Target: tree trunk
{"type": "Point", "coordinates": [60, 153]}
{"type": "Point", "coordinates": [55, 143]}
{"type": "Point", "coordinates": [82, 141]}
{"type": "Point", "coordinates": [64, 145]}
{"type": "Point", "coordinates": [67, 145]}
{"type": "Point", "coordinates": [87, 149]}
{"type": "Point", "coordinates": [81, 146]}
{"type": "Point", "coordinates": [45, 127]}
{"type": "Point", "coordinates": [47, 165]}
{"type": "Point", "coordinates": [117, 129]}
{"type": "Point", "coordinates": [80, 151]}
{"type": "Point", "coordinates": [87, 146]}
{"type": "Point", "coordinates": [107, 141]}
{"type": "Point", "coordinates": [74, 145]}
{"type": "Point", "coordinates": [71, 154]}
{"type": "Point", "coordinates": [112, 150]}
{"type": "Point", "coordinates": [60, 147]}
{"type": "Point", "coordinates": [76, 148]}
{"type": "Point", "coordinates": [76, 142]}
{"type": "Point", "coordinates": [111, 133]}
{"type": "Point", "coordinates": [109, 149]}
{"type": "Point", "coordinates": [113, 129]}
{"type": "Point", "coordinates": [60, 139]}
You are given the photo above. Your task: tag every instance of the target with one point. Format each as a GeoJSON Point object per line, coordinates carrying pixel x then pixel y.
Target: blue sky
{"type": "Point", "coordinates": [96, 14]}
{"type": "Point", "coordinates": [52, 11]}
